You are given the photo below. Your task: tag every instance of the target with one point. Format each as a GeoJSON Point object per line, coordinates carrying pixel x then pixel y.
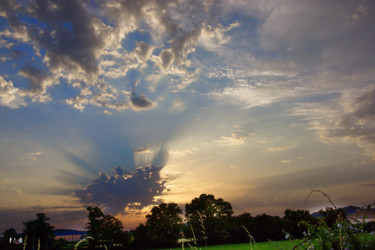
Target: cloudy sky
{"type": "Point", "coordinates": [123, 104]}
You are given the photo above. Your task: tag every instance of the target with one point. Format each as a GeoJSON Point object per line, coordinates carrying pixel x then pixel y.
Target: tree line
{"type": "Point", "coordinates": [208, 220]}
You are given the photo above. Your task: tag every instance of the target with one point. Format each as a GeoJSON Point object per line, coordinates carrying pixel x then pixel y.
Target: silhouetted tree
{"type": "Point", "coordinates": [164, 224]}
{"type": "Point", "coordinates": [209, 217]}
{"type": "Point", "coordinates": [104, 229]}
{"type": "Point", "coordinates": [9, 234]}
{"type": "Point", "coordinates": [142, 237]}
{"type": "Point", "coordinates": [267, 227]}
{"type": "Point", "coordinates": [293, 219]}
{"type": "Point", "coordinates": [331, 215]}
{"type": "Point", "coordinates": [241, 226]}
{"type": "Point", "coordinates": [39, 233]}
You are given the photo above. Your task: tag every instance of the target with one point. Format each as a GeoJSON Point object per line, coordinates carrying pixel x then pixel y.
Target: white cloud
{"type": "Point", "coordinates": [280, 148]}
{"type": "Point", "coordinates": [182, 153]}
{"type": "Point", "coordinates": [10, 96]}
{"type": "Point", "coordinates": [232, 140]}
{"type": "Point", "coordinates": [212, 38]}
{"type": "Point", "coordinates": [32, 156]}
{"type": "Point", "coordinates": [178, 106]}
{"type": "Point", "coordinates": [247, 95]}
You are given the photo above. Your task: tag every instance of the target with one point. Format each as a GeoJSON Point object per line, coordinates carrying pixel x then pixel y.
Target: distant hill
{"type": "Point", "coordinates": [65, 232]}
{"type": "Point", "coordinates": [354, 212]}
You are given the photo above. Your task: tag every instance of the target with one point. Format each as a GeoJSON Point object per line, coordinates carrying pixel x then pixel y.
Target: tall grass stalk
{"type": "Point", "coordinates": [204, 229]}
{"type": "Point", "coordinates": [319, 191]}
{"type": "Point", "coordinates": [252, 240]}
{"type": "Point", "coordinates": [195, 239]}
{"type": "Point", "coordinates": [25, 243]}
{"type": "Point", "coordinates": [84, 239]}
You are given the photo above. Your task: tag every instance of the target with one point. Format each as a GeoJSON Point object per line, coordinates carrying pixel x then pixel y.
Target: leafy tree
{"type": "Point", "coordinates": [331, 215]}
{"type": "Point", "coordinates": [9, 234]}
{"type": "Point", "coordinates": [209, 217]}
{"type": "Point", "coordinates": [142, 237]}
{"type": "Point", "coordinates": [104, 229]}
{"type": "Point", "coordinates": [39, 233]}
{"type": "Point", "coordinates": [242, 225]}
{"type": "Point", "coordinates": [164, 224]}
{"type": "Point", "coordinates": [268, 227]}
{"type": "Point", "coordinates": [293, 221]}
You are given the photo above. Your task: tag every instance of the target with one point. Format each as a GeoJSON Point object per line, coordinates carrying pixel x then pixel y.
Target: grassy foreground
{"type": "Point", "coordinates": [285, 244]}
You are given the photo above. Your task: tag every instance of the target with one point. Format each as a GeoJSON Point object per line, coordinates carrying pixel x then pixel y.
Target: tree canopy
{"type": "Point", "coordinates": [104, 229]}
{"type": "Point", "coordinates": [293, 219]}
{"type": "Point", "coordinates": [38, 233]}
{"type": "Point", "coordinates": [9, 237]}
{"type": "Point", "coordinates": [164, 223]}
{"type": "Point", "coordinates": [209, 217]}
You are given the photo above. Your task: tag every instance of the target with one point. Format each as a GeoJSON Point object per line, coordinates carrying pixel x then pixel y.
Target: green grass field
{"type": "Point", "coordinates": [285, 244]}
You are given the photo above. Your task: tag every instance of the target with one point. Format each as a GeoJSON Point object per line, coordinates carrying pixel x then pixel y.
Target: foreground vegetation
{"type": "Point", "coordinates": [269, 245]}
{"type": "Point", "coordinates": [208, 222]}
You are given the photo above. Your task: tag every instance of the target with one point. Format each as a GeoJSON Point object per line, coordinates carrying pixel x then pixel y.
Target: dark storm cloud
{"type": "Point", "coordinates": [123, 189]}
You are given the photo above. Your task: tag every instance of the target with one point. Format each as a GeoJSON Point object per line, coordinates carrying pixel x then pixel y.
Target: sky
{"type": "Point", "coordinates": [125, 104]}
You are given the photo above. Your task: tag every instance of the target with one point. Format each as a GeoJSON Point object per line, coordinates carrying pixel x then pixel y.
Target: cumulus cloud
{"type": "Point", "coordinates": [143, 51]}
{"type": "Point", "coordinates": [166, 57]}
{"type": "Point", "coordinates": [124, 189]}
{"type": "Point", "coordinates": [72, 38]}
{"type": "Point", "coordinates": [102, 95]}
{"type": "Point", "coordinates": [10, 96]}
{"type": "Point", "coordinates": [82, 43]}
{"type": "Point", "coordinates": [212, 38]}
{"type": "Point", "coordinates": [39, 83]}
{"type": "Point", "coordinates": [129, 191]}
{"type": "Point", "coordinates": [140, 101]}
